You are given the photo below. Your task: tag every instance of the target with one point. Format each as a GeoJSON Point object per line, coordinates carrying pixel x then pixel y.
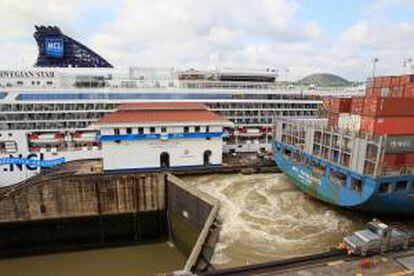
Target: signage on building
{"type": "Point", "coordinates": [54, 47]}
{"type": "Point", "coordinates": [10, 74]}
{"type": "Point", "coordinates": [31, 162]}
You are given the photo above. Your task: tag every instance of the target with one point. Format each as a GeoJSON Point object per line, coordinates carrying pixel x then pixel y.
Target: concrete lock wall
{"type": "Point", "coordinates": [86, 211]}
{"type": "Point", "coordinates": [191, 214]}
{"type": "Point", "coordinates": [82, 211]}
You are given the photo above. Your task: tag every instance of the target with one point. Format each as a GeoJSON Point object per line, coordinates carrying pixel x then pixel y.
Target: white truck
{"type": "Point", "coordinates": [377, 238]}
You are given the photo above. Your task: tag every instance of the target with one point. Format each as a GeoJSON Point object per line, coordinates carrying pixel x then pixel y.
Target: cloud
{"type": "Point", "coordinates": [215, 33]}
{"type": "Point", "coordinates": [200, 33]}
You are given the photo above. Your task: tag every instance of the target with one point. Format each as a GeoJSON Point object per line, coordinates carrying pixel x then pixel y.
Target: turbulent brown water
{"type": "Point", "coordinates": [266, 218]}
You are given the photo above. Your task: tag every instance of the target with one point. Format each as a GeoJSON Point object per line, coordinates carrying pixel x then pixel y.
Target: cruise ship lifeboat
{"type": "Point", "coordinates": [37, 138]}
{"type": "Point", "coordinates": [84, 136]}
{"type": "Point", "coordinates": [250, 132]}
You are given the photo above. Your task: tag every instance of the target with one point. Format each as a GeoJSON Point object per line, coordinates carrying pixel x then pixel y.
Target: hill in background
{"type": "Point", "coordinates": [324, 80]}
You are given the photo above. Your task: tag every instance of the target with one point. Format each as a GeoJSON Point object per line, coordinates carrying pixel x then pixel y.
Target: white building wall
{"type": "Point", "coordinates": [146, 154]}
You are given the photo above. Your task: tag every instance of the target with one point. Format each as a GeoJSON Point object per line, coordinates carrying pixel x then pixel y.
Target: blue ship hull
{"type": "Point", "coordinates": [368, 195]}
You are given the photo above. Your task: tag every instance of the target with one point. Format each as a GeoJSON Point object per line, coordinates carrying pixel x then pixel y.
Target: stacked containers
{"type": "Point", "coordinates": [335, 107]}
{"type": "Point", "coordinates": [388, 109]}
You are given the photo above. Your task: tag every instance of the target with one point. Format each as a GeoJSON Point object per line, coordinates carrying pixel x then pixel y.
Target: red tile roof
{"type": "Point", "coordinates": [161, 113]}
{"type": "Point", "coordinates": [162, 106]}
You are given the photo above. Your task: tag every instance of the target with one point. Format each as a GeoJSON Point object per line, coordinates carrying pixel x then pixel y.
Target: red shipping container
{"type": "Point", "coordinates": [409, 91]}
{"type": "Point", "coordinates": [333, 119]}
{"type": "Point", "coordinates": [367, 125]}
{"type": "Point", "coordinates": [395, 81]}
{"type": "Point", "coordinates": [388, 125]}
{"type": "Point", "coordinates": [385, 81]}
{"type": "Point", "coordinates": [327, 103]}
{"type": "Point", "coordinates": [341, 105]}
{"type": "Point", "coordinates": [396, 92]}
{"type": "Point", "coordinates": [396, 160]}
{"type": "Point", "coordinates": [386, 107]}
{"type": "Point", "coordinates": [369, 92]}
{"type": "Point", "coordinates": [377, 82]}
{"type": "Point", "coordinates": [357, 105]}
{"type": "Point", "coordinates": [406, 79]}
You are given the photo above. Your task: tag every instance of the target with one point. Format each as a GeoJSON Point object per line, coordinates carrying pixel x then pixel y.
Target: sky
{"type": "Point", "coordinates": [296, 37]}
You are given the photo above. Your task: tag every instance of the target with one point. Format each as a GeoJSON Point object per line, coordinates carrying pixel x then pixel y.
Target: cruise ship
{"type": "Point", "coordinates": [47, 112]}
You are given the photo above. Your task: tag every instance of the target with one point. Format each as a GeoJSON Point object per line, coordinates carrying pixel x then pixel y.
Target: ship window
{"type": "Point", "coordinates": [49, 82]}
{"type": "Point", "coordinates": [116, 131]}
{"type": "Point", "coordinates": [401, 186]}
{"type": "Point", "coordinates": [129, 130]}
{"type": "Point", "coordinates": [197, 129]}
{"type": "Point", "coordinates": [152, 130]}
{"type": "Point", "coordinates": [385, 187]}
{"type": "Point", "coordinates": [186, 129]}
{"type": "Point", "coordinates": [140, 130]}
{"type": "Point", "coordinates": [163, 129]}
{"type": "Point", "coordinates": [8, 147]}
{"type": "Point", "coordinates": [338, 178]}
{"type": "Point", "coordinates": [207, 129]}
{"type": "Point", "coordinates": [356, 185]}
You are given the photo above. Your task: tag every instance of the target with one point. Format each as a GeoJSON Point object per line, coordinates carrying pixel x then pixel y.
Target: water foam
{"type": "Point", "coordinates": [269, 216]}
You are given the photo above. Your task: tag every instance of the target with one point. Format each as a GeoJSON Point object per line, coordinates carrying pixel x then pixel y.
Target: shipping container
{"type": "Point", "coordinates": [409, 91]}
{"type": "Point", "coordinates": [395, 81]}
{"type": "Point", "coordinates": [386, 107]}
{"type": "Point", "coordinates": [357, 105]}
{"type": "Point", "coordinates": [333, 119]}
{"type": "Point", "coordinates": [349, 122]}
{"type": "Point", "coordinates": [398, 160]}
{"type": "Point", "coordinates": [406, 79]}
{"type": "Point", "coordinates": [399, 144]}
{"type": "Point", "coordinates": [340, 105]}
{"type": "Point", "coordinates": [387, 125]}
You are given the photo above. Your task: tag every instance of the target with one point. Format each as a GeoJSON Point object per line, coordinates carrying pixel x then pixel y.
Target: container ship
{"type": "Point", "coordinates": [46, 111]}
{"type": "Point", "coordinates": [362, 156]}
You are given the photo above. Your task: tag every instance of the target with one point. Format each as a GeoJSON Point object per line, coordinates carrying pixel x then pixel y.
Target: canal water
{"type": "Point", "coordinates": [140, 260]}
{"type": "Point", "coordinates": [266, 218]}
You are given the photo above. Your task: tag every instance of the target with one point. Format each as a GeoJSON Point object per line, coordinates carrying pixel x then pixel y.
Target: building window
{"type": "Point", "coordinates": [152, 130]}
{"type": "Point", "coordinates": [129, 130]}
{"type": "Point", "coordinates": [163, 129]}
{"type": "Point", "coordinates": [140, 130]}
{"type": "Point", "coordinates": [186, 129]}
{"type": "Point", "coordinates": [197, 129]}
{"type": "Point", "coordinates": [116, 131]}
{"type": "Point", "coordinates": [207, 129]}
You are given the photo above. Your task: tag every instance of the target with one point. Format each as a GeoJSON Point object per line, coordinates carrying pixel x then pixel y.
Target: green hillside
{"type": "Point", "coordinates": [324, 80]}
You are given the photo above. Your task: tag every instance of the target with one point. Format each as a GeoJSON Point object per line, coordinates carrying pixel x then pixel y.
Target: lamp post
{"type": "Point", "coordinates": [374, 64]}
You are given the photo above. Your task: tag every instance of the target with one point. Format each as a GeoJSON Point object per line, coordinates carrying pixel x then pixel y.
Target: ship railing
{"type": "Point", "coordinates": [133, 84]}
{"type": "Point", "coordinates": [397, 171]}
{"type": "Point", "coordinates": [320, 124]}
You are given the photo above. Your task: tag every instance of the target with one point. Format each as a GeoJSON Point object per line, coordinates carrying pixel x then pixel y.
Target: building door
{"type": "Point", "coordinates": [165, 160]}
{"type": "Point", "coordinates": [206, 157]}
